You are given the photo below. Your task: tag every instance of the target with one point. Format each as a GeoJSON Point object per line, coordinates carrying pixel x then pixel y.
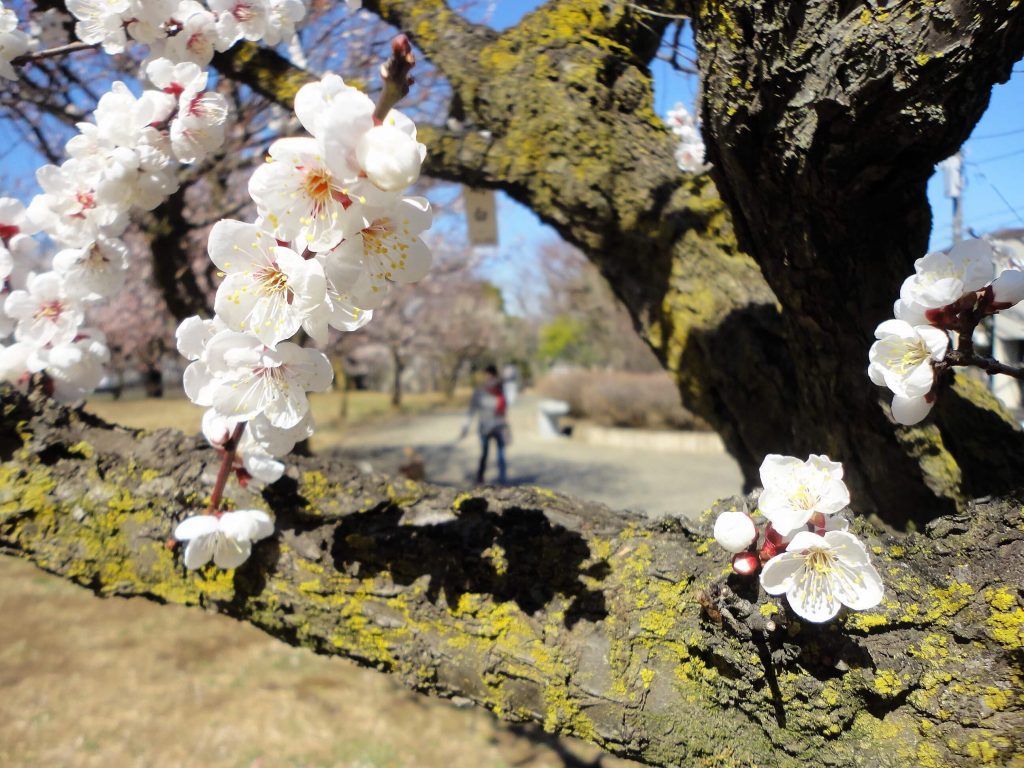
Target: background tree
{"type": "Point", "coordinates": [586, 325]}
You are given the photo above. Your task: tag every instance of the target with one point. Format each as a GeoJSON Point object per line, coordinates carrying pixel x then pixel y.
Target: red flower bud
{"type": "Point", "coordinates": [401, 46]}
{"type": "Point", "coordinates": [745, 563]}
{"type": "Point", "coordinates": [769, 550]}
{"type": "Point", "coordinates": [776, 538]}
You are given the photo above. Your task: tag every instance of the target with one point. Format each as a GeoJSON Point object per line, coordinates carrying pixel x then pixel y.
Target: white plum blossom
{"type": "Point", "coordinates": [275, 441]}
{"type": "Point", "coordinates": [299, 198]}
{"type": "Point", "coordinates": [192, 336]}
{"type": "Point", "coordinates": [175, 78]}
{"type": "Point", "coordinates": [387, 249]}
{"type": "Point", "coordinates": [940, 279]}
{"type": "Point", "coordinates": [256, 462]}
{"type": "Point", "coordinates": [237, 19]}
{"type": "Point", "coordinates": [901, 359]}
{"type": "Point", "coordinates": [16, 243]}
{"type": "Point", "coordinates": [122, 119]}
{"type": "Point", "coordinates": [689, 152]}
{"type": "Point", "coordinates": [282, 17]}
{"type": "Point", "coordinates": [69, 209]}
{"type": "Point", "coordinates": [314, 103]}
{"type": "Point", "coordinates": [198, 128]}
{"type": "Point", "coordinates": [341, 313]}
{"type": "Point", "coordinates": [735, 531]}
{"type": "Point", "coordinates": [795, 491]}
{"type": "Point", "coordinates": [14, 361]}
{"type": "Point", "coordinates": [269, 290]}
{"type": "Point", "coordinates": [244, 378]}
{"type": "Point", "coordinates": [146, 19]}
{"type": "Point", "coordinates": [373, 162]}
{"type": "Point", "coordinates": [74, 368]}
{"type": "Point", "coordinates": [94, 272]}
{"type": "Point", "coordinates": [388, 157]}
{"type": "Point", "coordinates": [260, 443]}
{"type": "Point", "coordinates": [226, 539]}
{"type": "Point", "coordinates": [45, 314]}
{"type": "Point", "coordinates": [818, 574]}
{"type": "Point", "coordinates": [13, 42]}
{"type": "Point", "coordinates": [197, 38]}
{"type": "Point", "coordinates": [101, 21]}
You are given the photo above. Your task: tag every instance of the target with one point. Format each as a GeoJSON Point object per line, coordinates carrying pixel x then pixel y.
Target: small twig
{"type": "Point", "coordinates": [397, 78]}
{"type": "Point", "coordinates": [964, 316]}
{"type": "Point", "coordinates": [230, 448]}
{"type": "Point", "coordinates": [661, 14]}
{"type": "Point", "coordinates": [49, 53]}
{"type": "Point", "coordinates": [960, 357]}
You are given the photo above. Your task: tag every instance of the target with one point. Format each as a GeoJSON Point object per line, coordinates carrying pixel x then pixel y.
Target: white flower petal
{"type": "Point", "coordinates": [777, 574]}
{"type": "Point", "coordinates": [231, 553]}
{"type": "Point", "coordinates": [199, 551]}
{"type": "Point", "coordinates": [910, 410]}
{"type": "Point", "coordinates": [195, 526]}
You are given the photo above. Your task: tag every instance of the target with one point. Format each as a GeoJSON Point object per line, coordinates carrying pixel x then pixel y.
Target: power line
{"type": "Point", "coordinates": [996, 135]}
{"type": "Point", "coordinates": [1001, 196]}
{"type": "Point", "coordinates": [996, 157]}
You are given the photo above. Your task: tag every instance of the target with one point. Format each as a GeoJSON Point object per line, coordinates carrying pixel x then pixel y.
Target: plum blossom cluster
{"type": "Point", "coordinates": [333, 232]}
{"type": "Point", "coordinates": [186, 30]}
{"type": "Point", "coordinates": [689, 151]}
{"type": "Point", "coordinates": [804, 550]}
{"type": "Point", "coordinates": [949, 293]}
{"type": "Point", "coordinates": [126, 159]}
{"type": "Point", "coordinates": [44, 312]}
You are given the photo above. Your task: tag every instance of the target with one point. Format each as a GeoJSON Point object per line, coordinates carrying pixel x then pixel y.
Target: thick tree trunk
{"type": "Point", "coordinates": [824, 122]}
{"type": "Point", "coordinates": [546, 609]}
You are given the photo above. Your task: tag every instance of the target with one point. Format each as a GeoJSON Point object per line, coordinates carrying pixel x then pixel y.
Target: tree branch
{"type": "Point", "coordinates": [49, 53]}
{"type": "Point", "coordinates": [547, 609]}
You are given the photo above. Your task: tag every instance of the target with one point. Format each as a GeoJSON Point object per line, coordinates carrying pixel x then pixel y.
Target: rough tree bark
{"type": "Point", "coordinates": [542, 608]}
{"type": "Point", "coordinates": [824, 122]}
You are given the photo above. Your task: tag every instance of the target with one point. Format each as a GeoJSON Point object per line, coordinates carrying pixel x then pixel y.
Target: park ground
{"type": "Point", "coordinates": [90, 682]}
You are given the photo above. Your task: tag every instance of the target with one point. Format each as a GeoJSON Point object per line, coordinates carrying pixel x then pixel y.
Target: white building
{"type": "Point", "coordinates": [1008, 344]}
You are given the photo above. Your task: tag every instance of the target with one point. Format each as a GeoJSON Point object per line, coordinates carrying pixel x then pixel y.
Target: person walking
{"type": "Point", "coordinates": [489, 407]}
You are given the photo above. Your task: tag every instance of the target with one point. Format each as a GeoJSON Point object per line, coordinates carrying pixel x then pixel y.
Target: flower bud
{"type": "Point", "coordinates": [735, 531]}
{"type": "Point", "coordinates": [769, 550]}
{"type": "Point", "coordinates": [1008, 288]}
{"type": "Point", "coordinates": [390, 157]}
{"type": "Point", "coordinates": [745, 563]}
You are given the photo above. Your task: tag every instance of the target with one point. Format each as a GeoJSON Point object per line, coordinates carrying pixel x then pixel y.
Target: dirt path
{"type": "Point", "coordinates": [659, 483]}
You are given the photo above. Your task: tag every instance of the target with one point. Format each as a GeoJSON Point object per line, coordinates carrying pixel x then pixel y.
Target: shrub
{"type": "Point", "coordinates": [621, 399]}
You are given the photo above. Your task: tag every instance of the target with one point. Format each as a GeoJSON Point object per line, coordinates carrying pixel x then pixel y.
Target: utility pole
{"type": "Point", "coordinates": [952, 174]}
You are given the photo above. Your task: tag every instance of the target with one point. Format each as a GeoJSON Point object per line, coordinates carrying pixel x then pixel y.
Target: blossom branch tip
{"type": "Point", "coordinates": [397, 75]}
